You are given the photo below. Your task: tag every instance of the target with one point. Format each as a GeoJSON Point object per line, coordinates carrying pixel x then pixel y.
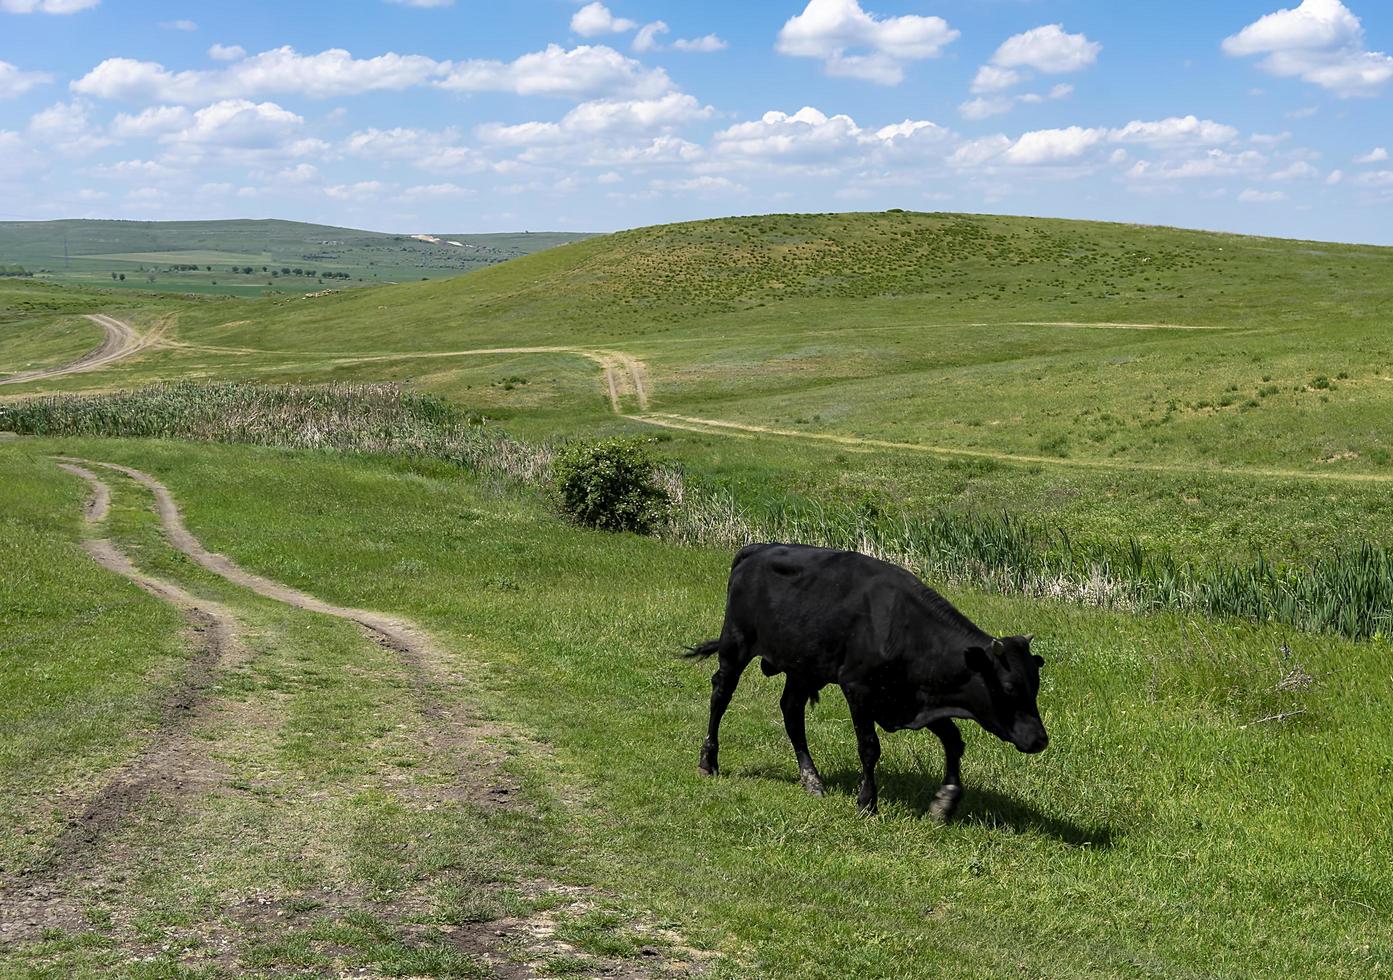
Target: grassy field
{"type": "Point", "coordinates": [284, 256]}
{"type": "Point", "coordinates": [1167, 831]}
{"type": "Point", "coordinates": [1215, 799]}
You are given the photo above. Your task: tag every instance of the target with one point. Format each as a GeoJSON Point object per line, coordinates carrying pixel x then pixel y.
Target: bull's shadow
{"type": "Point", "coordinates": [984, 807]}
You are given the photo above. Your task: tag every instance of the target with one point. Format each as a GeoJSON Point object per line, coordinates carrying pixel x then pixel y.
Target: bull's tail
{"type": "Point", "coordinates": [703, 650]}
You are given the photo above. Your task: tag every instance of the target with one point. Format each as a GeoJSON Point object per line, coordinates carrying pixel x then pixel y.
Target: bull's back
{"type": "Point", "coordinates": [796, 605]}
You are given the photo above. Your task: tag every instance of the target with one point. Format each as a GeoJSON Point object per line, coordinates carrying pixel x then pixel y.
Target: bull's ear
{"type": "Point", "coordinates": [1039, 660]}
{"type": "Point", "coordinates": [998, 648]}
{"type": "Point", "coordinates": [977, 660]}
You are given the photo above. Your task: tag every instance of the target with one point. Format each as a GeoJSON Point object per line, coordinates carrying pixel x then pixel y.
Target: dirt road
{"type": "Point", "coordinates": [122, 341]}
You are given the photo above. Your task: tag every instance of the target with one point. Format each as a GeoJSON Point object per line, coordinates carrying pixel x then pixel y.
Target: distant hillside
{"type": "Point", "coordinates": [215, 256]}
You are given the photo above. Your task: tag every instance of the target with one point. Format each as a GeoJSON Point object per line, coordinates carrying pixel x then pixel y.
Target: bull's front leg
{"type": "Point", "coordinates": [868, 747]}
{"type": "Point", "coordinates": [950, 794]}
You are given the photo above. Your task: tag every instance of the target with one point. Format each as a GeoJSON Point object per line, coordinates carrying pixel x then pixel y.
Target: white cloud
{"type": "Point", "coordinates": [1300, 170]}
{"type": "Point", "coordinates": [582, 72]}
{"type": "Point", "coordinates": [1251, 196]}
{"type": "Point", "coordinates": [239, 123]}
{"type": "Point", "coordinates": [1048, 50]}
{"type": "Point", "coordinates": [1376, 178]}
{"type": "Point", "coordinates": [705, 44]}
{"type": "Point", "coordinates": [153, 121]}
{"type": "Point", "coordinates": [985, 106]}
{"type": "Point", "coordinates": [809, 136]}
{"type": "Point", "coordinates": [436, 191]}
{"type": "Point", "coordinates": [330, 73]}
{"type": "Point", "coordinates": [853, 43]}
{"type": "Point", "coordinates": [46, 6]}
{"type": "Point", "coordinates": [1053, 145]}
{"type": "Point", "coordinates": [647, 37]}
{"type": "Point", "coordinates": [1174, 131]}
{"type": "Point", "coordinates": [1214, 163]}
{"type": "Point", "coordinates": [595, 19]}
{"type": "Point", "coordinates": [301, 173]}
{"type": "Point", "coordinates": [438, 151]}
{"type": "Point", "coordinates": [1335, 177]}
{"type": "Point", "coordinates": [66, 127]}
{"type": "Point", "coordinates": [15, 82]}
{"type": "Point", "coordinates": [357, 191]}
{"type": "Point", "coordinates": [699, 185]}
{"type": "Point", "coordinates": [179, 25]}
{"type": "Point", "coordinates": [1377, 155]}
{"type": "Point", "coordinates": [227, 52]}
{"type": "Point", "coordinates": [1321, 42]}
{"type": "Point", "coordinates": [1269, 139]}
{"type": "Point", "coordinates": [602, 117]}
{"type": "Point", "coordinates": [133, 170]}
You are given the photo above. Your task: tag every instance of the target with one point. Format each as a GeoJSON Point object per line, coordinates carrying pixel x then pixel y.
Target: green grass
{"type": "Point", "coordinates": [83, 252]}
{"type": "Point", "coordinates": [901, 327]}
{"type": "Point", "coordinates": [1167, 831]}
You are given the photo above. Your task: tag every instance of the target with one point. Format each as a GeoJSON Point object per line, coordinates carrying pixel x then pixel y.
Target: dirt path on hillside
{"type": "Point", "coordinates": [122, 341]}
{"type": "Point", "coordinates": [461, 743]}
{"type": "Point", "coordinates": [721, 427]}
{"type": "Point", "coordinates": [172, 763]}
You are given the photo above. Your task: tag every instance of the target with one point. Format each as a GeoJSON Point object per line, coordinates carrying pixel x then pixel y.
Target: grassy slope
{"type": "Point", "coordinates": [1158, 836]}
{"type": "Point", "coordinates": [898, 326]}
{"type": "Point", "coordinates": [95, 249]}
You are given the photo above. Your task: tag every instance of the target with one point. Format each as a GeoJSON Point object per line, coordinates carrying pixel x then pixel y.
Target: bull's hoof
{"type": "Point", "coordinates": [705, 768]}
{"type": "Point", "coordinates": [812, 782]}
{"type": "Point", "coordinates": [945, 803]}
{"type": "Point", "coordinates": [867, 806]}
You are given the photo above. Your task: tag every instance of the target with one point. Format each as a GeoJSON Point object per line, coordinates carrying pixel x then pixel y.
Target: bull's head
{"type": "Point", "coordinates": [1011, 675]}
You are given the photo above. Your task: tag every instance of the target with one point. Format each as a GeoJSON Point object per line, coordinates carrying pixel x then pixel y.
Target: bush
{"type": "Point", "coordinates": [611, 485]}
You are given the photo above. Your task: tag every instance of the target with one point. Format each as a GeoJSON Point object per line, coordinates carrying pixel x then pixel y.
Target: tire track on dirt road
{"type": "Point", "coordinates": [720, 427]}
{"type": "Point", "coordinates": [457, 737]}
{"type": "Point", "coordinates": [173, 761]}
{"type": "Point", "coordinates": [122, 341]}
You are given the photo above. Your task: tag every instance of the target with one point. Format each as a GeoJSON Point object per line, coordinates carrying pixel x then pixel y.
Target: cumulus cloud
{"type": "Point", "coordinates": [604, 117]}
{"type": "Point", "coordinates": [705, 44]}
{"type": "Point", "coordinates": [67, 128]}
{"type": "Point", "coordinates": [1174, 131]}
{"type": "Point", "coordinates": [1321, 42]}
{"type": "Point", "coordinates": [1377, 155]}
{"type": "Point", "coordinates": [330, 73]}
{"type": "Point", "coordinates": [853, 43]}
{"type": "Point", "coordinates": [586, 71]}
{"type": "Point", "coordinates": [179, 25]}
{"type": "Point", "coordinates": [154, 121]}
{"type": "Point", "coordinates": [810, 138]}
{"type": "Point", "coordinates": [985, 106]}
{"type": "Point", "coordinates": [1300, 170]}
{"type": "Point", "coordinates": [439, 151]}
{"type": "Point", "coordinates": [227, 52]}
{"type": "Point", "coordinates": [1213, 163]}
{"type": "Point", "coordinates": [1048, 50]}
{"type": "Point", "coordinates": [1251, 196]}
{"type": "Point", "coordinates": [46, 6]}
{"type": "Point", "coordinates": [595, 19]}
{"type": "Point", "coordinates": [238, 123]}
{"type": "Point", "coordinates": [15, 82]}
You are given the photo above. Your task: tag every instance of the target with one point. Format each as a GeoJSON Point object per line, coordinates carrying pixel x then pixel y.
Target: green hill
{"type": "Point", "coordinates": [213, 256]}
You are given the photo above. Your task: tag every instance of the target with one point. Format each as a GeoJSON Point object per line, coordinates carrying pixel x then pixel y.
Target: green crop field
{"type": "Point", "coordinates": [1164, 452]}
{"type": "Point", "coordinates": [214, 257]}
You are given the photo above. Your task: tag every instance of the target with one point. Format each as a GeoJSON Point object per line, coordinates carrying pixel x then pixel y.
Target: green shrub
{"type": "Point", "coordinates": [611, 485]}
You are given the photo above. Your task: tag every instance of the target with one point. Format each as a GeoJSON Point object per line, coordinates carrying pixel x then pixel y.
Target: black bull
{"type": "Point", "coordinates": [902, 655]}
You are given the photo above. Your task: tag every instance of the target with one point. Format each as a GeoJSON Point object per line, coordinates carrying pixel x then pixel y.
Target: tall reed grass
{"type": "Point", "coordinates": [1349, 592]}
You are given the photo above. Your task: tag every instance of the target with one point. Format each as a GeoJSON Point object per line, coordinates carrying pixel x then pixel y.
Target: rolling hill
{"type": "Point", "coordinates": [212, 256]}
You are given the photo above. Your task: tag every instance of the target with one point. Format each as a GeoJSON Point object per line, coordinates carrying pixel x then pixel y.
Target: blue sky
{"type": "Point", "coordinates": [432, 115]}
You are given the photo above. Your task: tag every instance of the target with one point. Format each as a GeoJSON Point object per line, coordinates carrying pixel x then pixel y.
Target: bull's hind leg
{"type": "Point", "coordinates": [794, 704]}
{"type": "Point", "coordinates": [946, 800]}
{"type": "Point", "coordinates": [733, 661]}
